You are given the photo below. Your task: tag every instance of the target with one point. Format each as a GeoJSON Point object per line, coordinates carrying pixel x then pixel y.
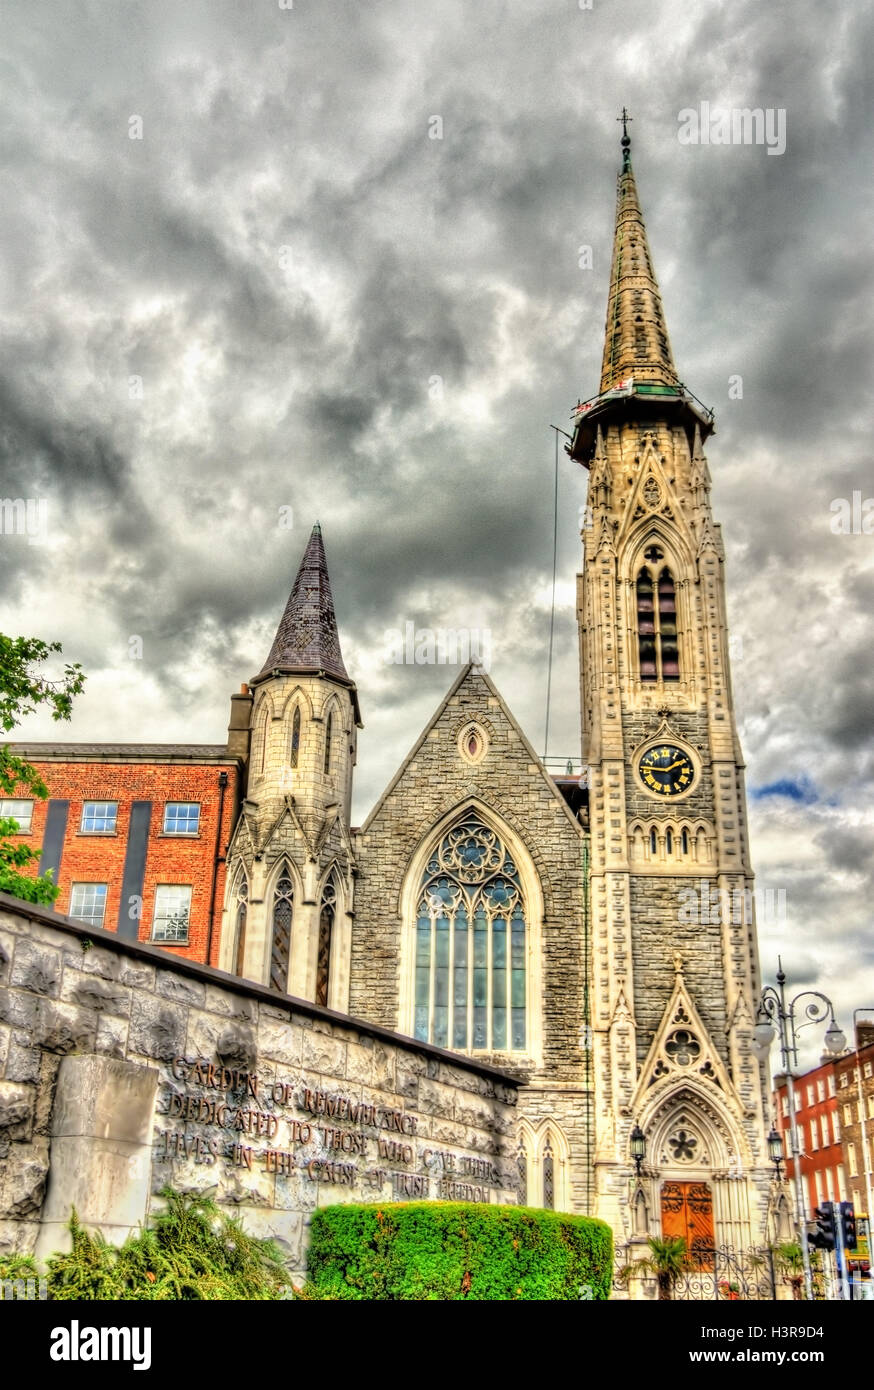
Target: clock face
{"type": "Point", "coordinates": [666, 769]}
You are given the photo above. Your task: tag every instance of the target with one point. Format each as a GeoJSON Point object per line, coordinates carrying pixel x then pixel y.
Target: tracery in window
{"type": "Point", "coordinates": [470, 957]}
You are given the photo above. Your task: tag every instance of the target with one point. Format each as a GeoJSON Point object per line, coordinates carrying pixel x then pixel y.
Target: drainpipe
{"type": "Point", "coordinates": [223, 783]}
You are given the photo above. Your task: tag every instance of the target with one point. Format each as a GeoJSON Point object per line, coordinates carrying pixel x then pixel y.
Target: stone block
{"type": "Point", "coordinates": [106, 1098]}
{"type": "Point", "coordinates": [359, 1063]}
{"type": "Point", "coordinates": [229, 1004]}
{"type": "Point", "coordinates": [90, 991]}
{"type": "Point", "coordinates": [137, 973]}
{"type": "Point", "coordinates": [279, 1041]}
{"type": "Point", "coordinates": [93, 960]}
{"type": "Point", "coordinates": [157, 1028]}
{"type": "Point", "coordinates": [36, 969]}
{"type": "Point", "coordinates": [100, 1149]}
{"type": "Point", "coordinates": [23, 1181]}
{"type": "Point", "coordinates": [16, 1110]}
{"type": "Point", "coordinates": [112, 1035]}
{"type": "Point", "coordinates": [7, 945]}
{"type": "Point", "coordinates": [64, 1028]}
{"type": "Point", "coordinates": [22, 1062]}
{"type": "Point", "coordinates": [181, 990]}
{"type": "Point", "coordinates": [324, 1054]}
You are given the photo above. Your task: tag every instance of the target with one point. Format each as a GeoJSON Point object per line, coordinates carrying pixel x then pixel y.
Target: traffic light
{"type": "Point", "coordinates": [848, 1217]}
{"type": "Point", "coordinates": [824, 1235]}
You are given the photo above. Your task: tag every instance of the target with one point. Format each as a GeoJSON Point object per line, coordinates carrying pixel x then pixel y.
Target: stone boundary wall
{"type": "Point", "coordinates": [123, 1068]}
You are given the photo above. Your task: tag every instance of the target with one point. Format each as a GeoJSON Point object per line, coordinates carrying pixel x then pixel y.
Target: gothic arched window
{"type": "Point", "coordinates": [658, 649]}
{"type": "Point", "coordinates": [295, 737]}
{"type": "Point", "coordinates": [261, 738]}
{"type": "Point", "coordinates": [240, 926]}
{"type": "Point", "coordinates": [470, 962]}
{"type": "Point", "coordinates": [280, 947]}
{"type": "Point", "coordinates": [329, 731]}
{"type": "Point", "coordinates": [327, 913]}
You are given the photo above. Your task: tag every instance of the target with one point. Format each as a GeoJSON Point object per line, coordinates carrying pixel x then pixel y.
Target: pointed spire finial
{"type": "Point", "coordinates": [636, 346]}
{"type": "Point", "coordinates": [625, 142]}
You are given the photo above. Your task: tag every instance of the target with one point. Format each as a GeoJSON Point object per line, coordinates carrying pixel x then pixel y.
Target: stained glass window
{"type": "Point", "coordinates": [470, 966]}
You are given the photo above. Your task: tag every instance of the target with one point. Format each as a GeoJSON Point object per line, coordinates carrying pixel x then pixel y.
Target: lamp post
{"type": "Point", "coordinates": [775, 1010]}
{"type": "Point", "coordinates": [775, 1149]}
{"type": "Point", "coordinates": [637, 1145]}
{"type": "Point", "coordinates": [866, 1159]}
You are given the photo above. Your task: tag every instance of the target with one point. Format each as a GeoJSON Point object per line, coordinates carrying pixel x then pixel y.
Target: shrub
{"type": "Point", "coordinates": [448, 1250]}
{"type": "Point", "coordinates": [191, 1251]}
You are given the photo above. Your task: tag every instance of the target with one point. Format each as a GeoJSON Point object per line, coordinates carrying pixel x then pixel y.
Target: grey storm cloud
{"type": "Point", "coordinates": [286, 295]}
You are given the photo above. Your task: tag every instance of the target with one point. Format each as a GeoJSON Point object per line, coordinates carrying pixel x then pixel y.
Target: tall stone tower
{"type": "Point", "coordinates": [288, 908]}
{"type": "Point", "coordinates": [675, 959]}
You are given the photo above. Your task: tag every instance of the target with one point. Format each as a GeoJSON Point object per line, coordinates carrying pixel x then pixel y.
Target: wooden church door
{"type": "Point", "coordinates": [687, 1211]}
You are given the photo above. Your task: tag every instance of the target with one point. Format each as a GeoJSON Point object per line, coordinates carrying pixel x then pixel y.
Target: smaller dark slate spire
{"type": "Point", "coordinates": [307, 640]}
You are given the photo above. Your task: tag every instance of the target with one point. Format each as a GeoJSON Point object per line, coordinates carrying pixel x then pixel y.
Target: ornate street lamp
{"type": "Point", "coordinates": [774, 1010]}
{"type": "Point", "coordinates": [637, 1145]}
{"type": "Point", "coordinates": [775, 1149]}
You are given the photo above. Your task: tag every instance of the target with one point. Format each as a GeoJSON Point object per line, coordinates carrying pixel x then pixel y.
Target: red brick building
{"type": "Point", "coordinates": [136, 836]}
{"type": "Point", "coordinates": [822, 1154]}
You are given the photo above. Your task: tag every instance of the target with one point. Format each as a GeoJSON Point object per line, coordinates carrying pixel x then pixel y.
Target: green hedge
{"type": "Point", "coordinates": [449, 1250]}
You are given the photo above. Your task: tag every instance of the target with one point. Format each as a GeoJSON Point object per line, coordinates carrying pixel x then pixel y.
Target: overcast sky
{"type": "Point", "coordinates": [331, 311]}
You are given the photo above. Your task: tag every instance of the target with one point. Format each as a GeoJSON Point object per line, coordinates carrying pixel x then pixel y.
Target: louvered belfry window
{"type": "Point", "coordinates": [658, 649]}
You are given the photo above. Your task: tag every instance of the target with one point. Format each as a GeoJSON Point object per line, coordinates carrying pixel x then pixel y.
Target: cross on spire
{"type": "Point", "coordinates": [625, 142]}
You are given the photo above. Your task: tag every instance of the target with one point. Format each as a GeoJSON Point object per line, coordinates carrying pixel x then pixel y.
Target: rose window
{"type": "Point", "coordinates": [682, 1146]}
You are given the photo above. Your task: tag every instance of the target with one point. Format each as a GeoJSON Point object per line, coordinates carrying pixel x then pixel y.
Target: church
{"type": "Point", "coordinates": [537, 923]}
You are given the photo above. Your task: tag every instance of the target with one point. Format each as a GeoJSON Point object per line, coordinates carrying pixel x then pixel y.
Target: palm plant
{"type": "Point", "coordinates": [668, 1259]}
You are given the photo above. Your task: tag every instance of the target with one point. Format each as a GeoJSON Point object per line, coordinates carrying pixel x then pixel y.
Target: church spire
{"type": "Point", "coordinates": [638, 373]}
{"type": "Point", "coordinates": [636, 340]}
{"type": "Point", "coordinates": [307, 641]}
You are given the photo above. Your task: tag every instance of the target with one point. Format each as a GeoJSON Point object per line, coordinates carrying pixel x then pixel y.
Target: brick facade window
{"type": "Point", "coordinates": [172, 913]}
{"type": "Point", "coordinates": [181, 818]}
{"type": "Point", "coordinates": [88, 903]}
{"type": "Point", "coordinates": [22, 811]}
{"type": "Point", "coordinates": [99, 817]}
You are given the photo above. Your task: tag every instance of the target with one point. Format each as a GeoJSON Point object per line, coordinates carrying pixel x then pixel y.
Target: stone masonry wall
{"type": "Point", "coordinates": [122, 1069]}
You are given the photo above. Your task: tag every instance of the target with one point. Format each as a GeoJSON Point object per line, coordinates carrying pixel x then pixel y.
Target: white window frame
{"type": "Point", "coordinates": [183, 834]}
{"type": "Point", "coordinates": [91, 920]}
{"type": "Point", "coordinates": [171, 895]}
{"type": "Point", "coordinates": [94, 815]}
{"type": "Point", "coordinates": [6, 812]}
